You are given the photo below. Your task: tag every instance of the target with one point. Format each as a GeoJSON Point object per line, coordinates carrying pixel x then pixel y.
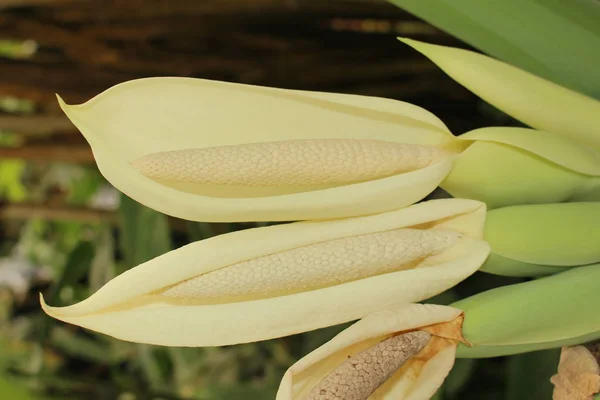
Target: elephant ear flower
{"type": "Point", "coordinates": [405, 352]}
{"type": "Point", "coordinates": [400, 354]}
{"type": "Point", "coordinates": [215, 151]}
{"type": "Point", "coordinates": [279, 280]}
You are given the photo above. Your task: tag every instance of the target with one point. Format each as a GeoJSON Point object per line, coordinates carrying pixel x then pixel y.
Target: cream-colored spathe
{"type": "Point", "coordinates": [134, 307]}
{"type": "Point", "coordinates": [418, 379]}
{"type": "Point", "coordinates": [143, 117]}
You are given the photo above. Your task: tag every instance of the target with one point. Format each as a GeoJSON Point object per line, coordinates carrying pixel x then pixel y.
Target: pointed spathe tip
{"type": "Point", "coordinates": [51, 311]}
{"type": "Point", "coordinates": [45, 306]}
{"type": "Point", "coordinates": [61, 102]}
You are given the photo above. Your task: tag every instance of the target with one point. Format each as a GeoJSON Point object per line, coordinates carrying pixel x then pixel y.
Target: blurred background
{"type": "Point", "coordinates": [65, 231]}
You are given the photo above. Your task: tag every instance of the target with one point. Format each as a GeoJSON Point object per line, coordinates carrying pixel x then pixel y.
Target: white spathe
{"type": "Point", "coordinates": [418, 379]}
{"type": "Point", "coordinates": [139, 305]}
{"type": "Point", "coordinates": [139, 118]}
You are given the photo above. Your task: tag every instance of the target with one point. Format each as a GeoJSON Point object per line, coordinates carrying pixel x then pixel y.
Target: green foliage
{"type": "Point", "coordinates": [76, 268]}
{"type": "Point", "coordinates": [14, 390]}
{"type": "Point", "coordinates": [529, 375]}
{"type": "Point", "coordinates": [555, 39]}
{"type": "Point", "coordinates": [84, 186]}
{"type": "Point", "coordinates": [16, 105]}
{"type": "Point", "coordinates": [144, 232]}
{"type": "Point", "coordinates": [458, 377]}
{"type": "Point", "coordinates": [11, 187]}
{"type": "Point", "coordinates": [17, 49]}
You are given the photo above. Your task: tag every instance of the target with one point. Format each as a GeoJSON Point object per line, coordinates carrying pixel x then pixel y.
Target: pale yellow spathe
{"type": "Point", "coordinates": [156, 115]}
{"type": "Point", "coordinates": [135, 306]}
{"type": "Point", "coordinates": [418, 379]}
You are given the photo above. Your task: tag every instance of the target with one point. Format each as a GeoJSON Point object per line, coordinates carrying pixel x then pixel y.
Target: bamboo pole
{"type": "Point", "coordinates": [60, 153]}
{"type": "Point", "coordinates": [36, 124]}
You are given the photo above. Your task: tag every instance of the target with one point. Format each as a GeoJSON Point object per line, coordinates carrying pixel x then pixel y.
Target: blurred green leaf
{"type": "Point", "coordinates": [102, 268]}
{"type": "Point", "coordinates": [151, 366]}
{"type": "Point", "coordinates": [11, 139]}
{"type": "Point", "coordinates": [79, 346]}
{"type": "Point", "coordinates": [237, 392]}
{"type": "Point", "coordinates": [11, 186]}
{"type": "Point", "coordinates": [439, 395]}
{"type": "Point", "coordinates": [13, 389]}
{"type": "Point", "coordinates": [85, 186]}
{"type": "Point", "coordinates": [77, 266]}
{"type": "Point", "coordinates": [17, 49]}
{"type": "Point", "coordinates": [145, 235]}
{"type": "Point", "coordinates": [555, 39]}
{"type": "Point", "coordinates": [444, 298]}
{"type": "Point", "coordinates": [529, 375]}
{"type": "Point", "coordinates": [144, 232]}
{"type": "Point", "coordinates": [317, 338]}
{"type": "Point", "coordinates": [16, 105]}
{"type": "Point", "coordinates": [199, 230]}
{"type": "Point", "coordinates": [458, 377]}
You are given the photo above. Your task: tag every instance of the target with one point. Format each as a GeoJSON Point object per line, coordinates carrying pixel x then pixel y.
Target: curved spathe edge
{"type": "Point", "coordinates": [363, 198]}
{"type": "Point", "coordinates": [156, 320]}
{"type": "Point", "coordinates": [462, 215]}
{"type": "Point", "coordinates": [350, 103]}
{"type": "Point", "coordinates": [308, 371]}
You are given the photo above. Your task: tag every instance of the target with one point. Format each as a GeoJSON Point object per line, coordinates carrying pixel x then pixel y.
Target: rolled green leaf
{"type": "Point", "coordinates": [507, 166]}
{"type": "Point", "coordinates": [531, 240]}
{"type": "Point", "coordinates": [530, 99]}
{"type": "Point", "coordinates": [559, 310]}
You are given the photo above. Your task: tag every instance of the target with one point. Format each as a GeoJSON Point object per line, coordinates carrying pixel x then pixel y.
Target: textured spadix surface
{"type": "Point", "coordinates": [531, 240]}
{"type": "Point", "coordinates": [559, 310]}
{"type": "Point", "coordinates": [532, 100]}
{"type": "Point", "coordinates": [318, 265]}
{"type": "Point", "coordinates": [419, 377]}
{"type": "Point", "coordinates": [507, 166]}
{"type": "Point", "coordinates": [279, 280]}
{"type": "Point", "coordinates": [206, 122]}
{"type": "Point", "coordinates": [289, 163]}
{"type": "Point", "coordinates": [359, 376]}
